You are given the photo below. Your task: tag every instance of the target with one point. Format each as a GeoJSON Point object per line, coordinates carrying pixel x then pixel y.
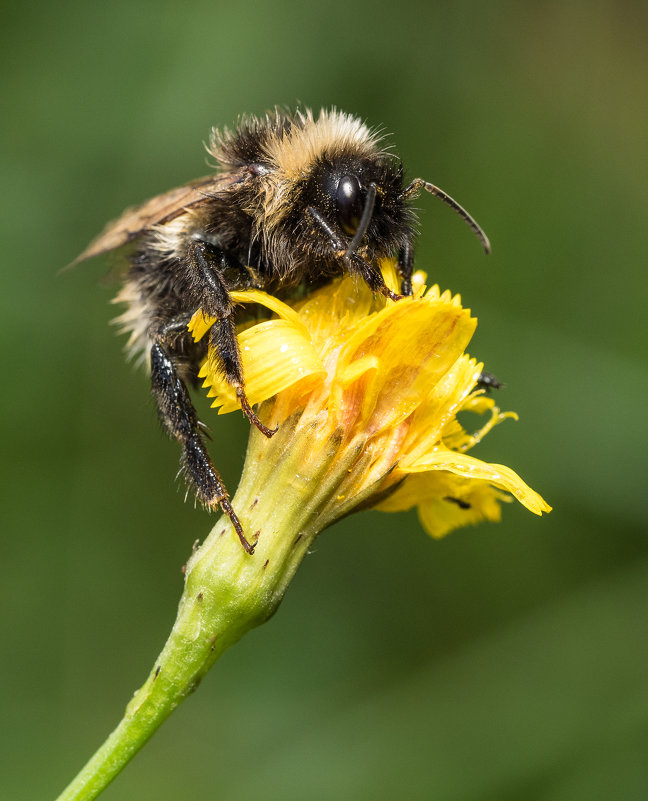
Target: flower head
{"type": "Point", "coordinates": [373, 387]}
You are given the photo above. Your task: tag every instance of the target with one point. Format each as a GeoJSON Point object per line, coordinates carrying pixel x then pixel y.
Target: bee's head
{"type": "Point", "coordinates": [354, 204]}
{"type": "Point", "coordinates": [323, 195]}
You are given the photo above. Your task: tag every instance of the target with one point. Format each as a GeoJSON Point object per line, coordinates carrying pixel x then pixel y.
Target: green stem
{"type": "Point", "coordinates": [282, 500]}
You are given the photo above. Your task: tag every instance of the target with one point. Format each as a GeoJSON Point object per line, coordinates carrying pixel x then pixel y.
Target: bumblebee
{"type": "Point", "coordinates": [295, 200]}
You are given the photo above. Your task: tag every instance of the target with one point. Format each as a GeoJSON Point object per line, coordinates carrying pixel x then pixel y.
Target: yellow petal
{"type": "Point", "coordinates": [280, 308]}
{"type": "Point", "coordinates": [201, 322]}
{"type": "Point", "coordinates": [457, 438]}
{"type": "Point", "coordinates": [389, 270]}
{"type": "Point", "coordinates": [275, 355]}
{"type": "Point", "coordinates": [437, 414]}
{"type": "Point", "coordinates": [331, 313]}
{"type": "Point", "coordinates": [440, 516]}
{"type": "Point", "coordinates": [357, 368]}
{"type": "Point", "coordinates": [446, 501]}
{"type": "Point", "coordinates": [468, 467]}
{"type": "Point", "coordinates": [416, 343]}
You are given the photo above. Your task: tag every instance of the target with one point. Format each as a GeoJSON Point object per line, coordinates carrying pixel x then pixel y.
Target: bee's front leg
{"type": "Point", "coordinates": [406, 267]}
{"type": "Point", "coordinates": [216, 301]}
{"type": "Point", "coordinates": [352, 261]}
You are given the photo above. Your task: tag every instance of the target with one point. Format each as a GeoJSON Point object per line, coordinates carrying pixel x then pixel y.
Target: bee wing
{"type": "Point", "coordinates": [137, 219]}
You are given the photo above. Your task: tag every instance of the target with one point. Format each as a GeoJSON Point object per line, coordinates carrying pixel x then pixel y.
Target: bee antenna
{"type": "Point", "coordinates": [418, 184]}
{"type": "Point", "coordinates": [367, 211]}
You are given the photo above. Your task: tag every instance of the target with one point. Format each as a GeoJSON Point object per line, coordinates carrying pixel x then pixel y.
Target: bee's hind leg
{"type": "Point", "coordinates": [180, 421]}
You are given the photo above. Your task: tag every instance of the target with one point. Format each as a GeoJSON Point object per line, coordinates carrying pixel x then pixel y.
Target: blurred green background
{"type": "Point", "coordinates": [504, 662]}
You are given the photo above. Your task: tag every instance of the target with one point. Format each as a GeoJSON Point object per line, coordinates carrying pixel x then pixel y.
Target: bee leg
{"type": "Point", "coordinates": [217, 303]}
{"type": "Point", "coordinates": [354, 263]}
{"type": "Point", "coordinates": [223, 340]}
{"type": "Point", "coordinates": [371, 275]}
{"type": "Point", "coordinates": [180, 421]}
{"type": "Point", "coordinates": [178, 325]}
{"type": "Point", "coordinates": [406, 267]}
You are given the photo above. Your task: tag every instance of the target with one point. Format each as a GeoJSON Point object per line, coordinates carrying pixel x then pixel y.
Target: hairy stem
{"type": "Point", "coordinates": [283, 502]}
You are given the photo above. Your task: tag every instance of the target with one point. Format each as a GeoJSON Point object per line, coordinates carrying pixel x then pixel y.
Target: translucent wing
{"type": "Point", "coordinates": [137, 219]}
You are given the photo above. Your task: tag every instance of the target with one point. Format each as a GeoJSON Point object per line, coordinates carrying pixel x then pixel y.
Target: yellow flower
{"type": "Point", "coordinates": [365, 393]}
{"type": "Point", "coordinates": [372, 388]}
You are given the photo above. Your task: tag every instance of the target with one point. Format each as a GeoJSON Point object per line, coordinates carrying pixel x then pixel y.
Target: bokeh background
{"type": "Point", "coordinates": [505, 662]}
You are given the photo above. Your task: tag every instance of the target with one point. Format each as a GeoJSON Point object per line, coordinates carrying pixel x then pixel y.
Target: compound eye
{"type": "Point", "coordinates": [348, 200]}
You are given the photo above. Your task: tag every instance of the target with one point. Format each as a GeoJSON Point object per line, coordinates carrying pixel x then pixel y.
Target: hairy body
{"type": "Point", "coordinates": [295, 200]}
